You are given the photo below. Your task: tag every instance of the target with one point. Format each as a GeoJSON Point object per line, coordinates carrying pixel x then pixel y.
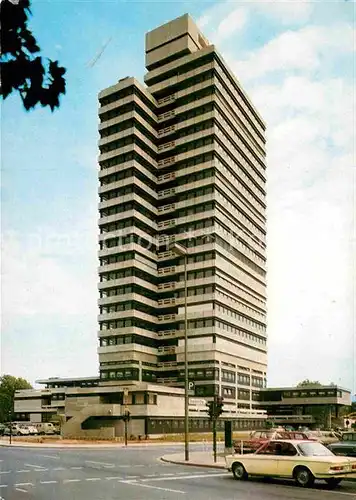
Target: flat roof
{"type": "Point", "coordinates": [54, 380]}
{"type": "Point", "coordinates": [305, 387]}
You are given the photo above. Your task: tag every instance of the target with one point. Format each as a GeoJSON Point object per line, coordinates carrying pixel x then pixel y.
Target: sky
{"type": "Point", "coordinates": [296, 61]}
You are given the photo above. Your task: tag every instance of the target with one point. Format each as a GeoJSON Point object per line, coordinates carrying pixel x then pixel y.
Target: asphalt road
{"type": "Point", "coordinates": [133, 474]}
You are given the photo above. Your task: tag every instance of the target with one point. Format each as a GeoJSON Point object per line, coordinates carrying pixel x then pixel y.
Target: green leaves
{"type": "Point", "coordinates": [36, 82]}
{"type": "Point", "coordinates": [8, 386]}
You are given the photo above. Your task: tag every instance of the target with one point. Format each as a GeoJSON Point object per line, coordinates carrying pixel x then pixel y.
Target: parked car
{"type": "Point", "coordinates": [257, 438]}
{"type": "Point", "coordinates": [304, 461]}
{"type": "Point", "coordinates": [324, 437]}
{"type": "Point", "coordinates": [32, 429]}
{"type": "Point", "coordinates": [16, 430]}
{"type": "Point", "coordinates": [2, 429]}
{"type": "Point", "coordinates": [45, 428]}
{"type": "Point", "coordinates": [346, 446]}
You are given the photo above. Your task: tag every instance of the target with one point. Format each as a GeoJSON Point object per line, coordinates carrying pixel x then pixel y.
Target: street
{"type": "Point", "coordinates": [134, 473]}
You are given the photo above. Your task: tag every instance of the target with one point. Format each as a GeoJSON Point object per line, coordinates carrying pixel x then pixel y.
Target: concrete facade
{"type": "Point", "coordinates": [182, 159]}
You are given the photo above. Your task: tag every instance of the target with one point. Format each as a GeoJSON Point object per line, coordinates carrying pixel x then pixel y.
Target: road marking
{"type": "Point", "coordinates": [110, 478]}
{"type": "Point", "coordinates": [99, 463]}
{"type": "Point", "coordinates": [93, 479]}
{"type": "Point", "coordinates": [71, 480]}
{"type": "Point", "coordinates": [154, 475]}
{"type": "Point", "coordinates": [131, 477]}
{"type": "Point", "coordinates": [39, 470]}
{"type": "Point", "coordinates": [135, 483]}
{"type": "Point", "coordinates": [5, 472]}
{"type": "Point", "coordinates": [23, 484]}
{"type": "Point", "coordinates": [23, 470]}
{"type": "Point", "coordinates": [3, 485]}
{"type": "Point", "coordinates": [48, 482]}
{"type": "Point", "coordinates": [58, 468]}
{"type": "Point", "coordinates": [35, 466]}
{"type": "Point", "coordinates": [168, 474]}
{"type": "Point", "coordinates": [20, 489]}
{"type": "Point", "coordinates": [193, 476]}
{"type": "Point", "coordinates": [54, 457]}
{"type": "Point", "coordinates": [138, 466]}
{"type": "Point", "coordinates": [75, 468]}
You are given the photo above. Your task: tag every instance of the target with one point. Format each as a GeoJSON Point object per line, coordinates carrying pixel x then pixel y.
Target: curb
{"type": "Point", "coordinates": [193, 464]}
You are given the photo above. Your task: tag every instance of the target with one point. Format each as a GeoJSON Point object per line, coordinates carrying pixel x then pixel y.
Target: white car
{"type": "Point", "coordinates": [303, 461]}
{"type": "Point", "coordinates": [32, 430]}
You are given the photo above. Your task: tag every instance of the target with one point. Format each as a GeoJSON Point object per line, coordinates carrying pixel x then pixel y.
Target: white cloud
{"type": "Point", "coordinates": [285, 11]}
{"type": "Point", "coordinates": [233, 22]}
{"type": "Point", "coordinates": [296, 50]}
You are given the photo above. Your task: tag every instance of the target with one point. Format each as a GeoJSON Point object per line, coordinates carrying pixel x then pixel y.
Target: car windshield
{"type": "Point", "coordinates": [314, 450]}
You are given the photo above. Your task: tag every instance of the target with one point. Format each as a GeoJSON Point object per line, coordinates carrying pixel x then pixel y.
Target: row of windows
{"type": "Point", "coordinates": [198, 127]}
{"type": "Point", "coordinates": [201, 374]}
{"type": "Point", "coordinates": [312, 393]}
{"type": "Point", "coordinates": [125, 190]}
{"type": "Point", "coordinates": [198, 143]}
{"type": "Point", "coordinates": [239, 257]}
{"type": "Point", "coordinates": [126, 124]}
{"type": "Point", "coordinates": [125, 273]}
{"type": "Point", "coordinates": [196, 291]}
{"type": "Point", "coordinates": [188, 179]}
{"type": "Point", "coordinates": [124, 374]}
{"type": "Point", "coordinates": [229, 312]}
{"type": "Point", "coordinates": [125, 362]}
{"type": "Point", "coordinates": [127, 323]}
{"type": "Point", "coordinates": [167, 426]}
{"type": "Point", "coordinates": [127, 339]}
{"type": "Point", "coordinates": [126, 240]}
{"type": "Point", "coordinates": [131, 222]}
{"type": "Point", "coordinates": [129, 173]}
{"type": "Point", "coordinates": [227, 298]}
{"type": "Point", "coordinates": [128, 141]}
{"type": "Point", "coordinates": [195, 193]}
{"type": "Point", "coordinates": [246, 149]}
{"type": "Point", "coordinates": [241, 291]}
{"type": "Point", "coordinates": [194, 112]}
{"type": "Point", "coordinates": [122, 109]}
{"type": "Point", "coordinates": [249, 198]}
{"type": "Point", "coordinates": [125, 207]}
{"type": "Point", "coordinates": [112, 259]}
{"type": "Point", "coordinates": [241, 333]}
{"type": "Point", "coordinates": [194, 226]}
{"type": "Point", "coordinates": [126, 306]}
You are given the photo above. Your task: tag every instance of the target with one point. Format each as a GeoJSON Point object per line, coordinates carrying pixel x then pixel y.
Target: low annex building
{"type": "Point", "coordinates": [88, 409]}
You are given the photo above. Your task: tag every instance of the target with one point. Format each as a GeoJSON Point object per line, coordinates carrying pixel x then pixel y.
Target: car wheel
{"type": "Point", "coordinates": [239, 471]}
{"type": "Point", "coordinates": [303, 477]}
{"type": "Point", "coordinates": [333, 482]}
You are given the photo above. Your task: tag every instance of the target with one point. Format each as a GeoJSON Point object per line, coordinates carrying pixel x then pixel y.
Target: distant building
{"type": "Point", "coordinates": [304, 406]}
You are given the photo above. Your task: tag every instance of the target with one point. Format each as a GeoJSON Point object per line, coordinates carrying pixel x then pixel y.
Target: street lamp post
{"type": "Point", "coordinates": [182, 251]}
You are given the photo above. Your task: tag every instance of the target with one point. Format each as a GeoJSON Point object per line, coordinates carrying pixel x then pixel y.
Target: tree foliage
{"type": "Point", "coordinates": [8, 386]}
{"type": "Point", "coordinates": [22, 70]}
{"type": "Point", "coordinates": [309, 383]}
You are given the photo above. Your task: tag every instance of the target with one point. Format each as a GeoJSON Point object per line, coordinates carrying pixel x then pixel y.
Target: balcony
{"type": "Point", "coordinates": [166, 255]}
{"type": "Point", "coordinates": [164, 239]}
{"type": "Point", "coordinates": [166, 302]}
{"type": "Point", "coordinates": [166, 145]}
{"type": "Point", "coordinates": [167, 286]}
{"type": "Point", "coordinates": [167, 364]}
{"type": "Point", "coordinates": [166, 131]}
{"type": "Point", "coordinates": [167, 349]}
{"type": "Point", "coordinates": [166, 162]}
{"type": "Point", "coordinates": [166, 270]}
{"type": "Point", "coordinates": [165, 194]}
{"type": "Point", "coordinates": [166, 100]}
{"type": "Point", "coordinates": [167, 333]}
{"type": "Point", "coordinates": [166, 317]}
{"type": "Point", "coordinates": [166, 208]}
{"type": "Point", "coordinates": [165, 224]}
{"type": "Point", "coordinates": [165, 178]}
{"type": "Point", "coordinates": [166, 116]}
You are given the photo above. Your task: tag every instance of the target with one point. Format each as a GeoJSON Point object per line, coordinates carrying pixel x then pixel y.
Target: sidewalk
{"type": "Point", "coordinates": [196, 458]}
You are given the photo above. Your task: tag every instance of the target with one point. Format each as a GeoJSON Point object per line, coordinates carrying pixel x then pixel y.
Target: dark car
{"type": "Point", "coordinates": [346, 446]}
{"type": "Point", "coordinates": [258, 438]}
